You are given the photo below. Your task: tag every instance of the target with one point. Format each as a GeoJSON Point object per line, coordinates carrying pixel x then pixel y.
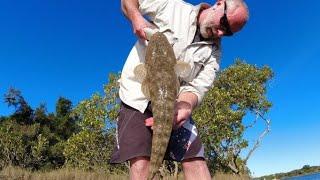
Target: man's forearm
{"type": "Point", "coordinates": [190, 98]}
{"type": "Point", "coordinates": [130, 8]}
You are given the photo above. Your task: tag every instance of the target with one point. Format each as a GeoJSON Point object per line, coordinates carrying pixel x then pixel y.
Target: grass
{"type": "Point", "coordinates": [15, 173]}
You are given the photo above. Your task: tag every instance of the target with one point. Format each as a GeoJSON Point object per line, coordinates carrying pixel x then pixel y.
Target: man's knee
{"type": "Point", "coordinates": [195, 168]}
{"type": "Point", "coordinates": [139, 164]}
{"type": "Point", "coordinates": [194, 163]}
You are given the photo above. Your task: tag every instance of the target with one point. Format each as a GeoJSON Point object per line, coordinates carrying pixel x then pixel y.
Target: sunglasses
{"type": "Point", "coordinates": [224, 23]}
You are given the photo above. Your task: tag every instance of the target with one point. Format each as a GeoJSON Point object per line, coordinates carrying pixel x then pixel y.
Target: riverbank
{"type": "Point", "coordinates": [305, 170]}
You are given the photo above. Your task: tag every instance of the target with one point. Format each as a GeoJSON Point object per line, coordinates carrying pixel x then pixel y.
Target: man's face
{"type": "Point", "coordinates": [210, 26]}
{"type": "Point", "coordinates": [207, 28]}
{"type": "Point", "coordinates": [216, 23]}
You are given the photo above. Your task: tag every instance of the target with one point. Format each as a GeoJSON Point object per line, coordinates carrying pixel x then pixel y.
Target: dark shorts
{"type": "Point", "coordinates": [134, 138]}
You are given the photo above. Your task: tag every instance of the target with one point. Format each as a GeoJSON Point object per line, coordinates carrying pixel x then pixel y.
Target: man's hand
{"type": "Point", "coordinates": [130, 8]}
{"type": "Point", "coordinates": [186, 102]}
{"type": "Point", "coordinates": [138, 25]}
{"type": "Point", "coordinates": [183, 112]}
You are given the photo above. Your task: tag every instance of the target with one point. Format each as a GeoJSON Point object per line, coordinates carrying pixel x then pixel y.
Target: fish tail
{"type": "Point", "coordinates": [161, 136]}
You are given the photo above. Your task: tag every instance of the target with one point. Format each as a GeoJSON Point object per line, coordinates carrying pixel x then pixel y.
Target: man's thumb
{"type": "Point", "coordinates": [149, 121]}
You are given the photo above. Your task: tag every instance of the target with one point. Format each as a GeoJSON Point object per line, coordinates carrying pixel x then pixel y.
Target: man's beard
{"type": "Point", "coordinates": [207, 26]}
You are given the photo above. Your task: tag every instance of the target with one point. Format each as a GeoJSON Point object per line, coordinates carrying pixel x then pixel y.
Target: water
{"type": "Point", "coordinates": [315, 176]}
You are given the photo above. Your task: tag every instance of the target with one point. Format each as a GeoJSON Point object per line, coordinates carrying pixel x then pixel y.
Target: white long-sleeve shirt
{"type": "Point", "coordinates": [177, 20]}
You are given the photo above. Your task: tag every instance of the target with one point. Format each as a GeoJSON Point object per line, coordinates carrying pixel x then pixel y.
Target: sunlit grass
{"type": "Point", "coordinates": [15, 173]}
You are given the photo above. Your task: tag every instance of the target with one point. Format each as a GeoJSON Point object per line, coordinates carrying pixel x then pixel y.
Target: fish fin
{"type": "Point", "coordinates": [182, 69]}
{"type": "Point", "coordinates": [145, 90]}
{"type": "Point", "coordinates": [140, 72]}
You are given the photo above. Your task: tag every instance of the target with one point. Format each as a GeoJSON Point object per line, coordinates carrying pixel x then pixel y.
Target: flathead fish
{"type": "Point", "coordinates": [160, 84]}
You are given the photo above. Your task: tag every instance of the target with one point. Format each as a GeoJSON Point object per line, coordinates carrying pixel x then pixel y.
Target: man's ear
{"type": "Point", "coordinates": [219, 2]}
{"type": "Point", "coordinates": [204, 6]}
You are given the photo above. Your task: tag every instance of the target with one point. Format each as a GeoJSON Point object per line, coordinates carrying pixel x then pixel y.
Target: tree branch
{"type": "Point", "coordinates": [220, 156]}
{"type": "Point", "coordinates": [254, 122]}
{"type": "Point", "coordinates": [267, 129]}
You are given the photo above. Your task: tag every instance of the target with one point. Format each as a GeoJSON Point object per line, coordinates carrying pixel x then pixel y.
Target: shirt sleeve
{"type": "Point", "coordinates": [204, 80]}
{"type": "Point", "coordinates": [151, 7]}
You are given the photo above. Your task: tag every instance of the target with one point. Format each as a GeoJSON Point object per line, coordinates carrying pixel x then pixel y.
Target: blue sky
{"type": "Point", "coordinates": [67, 48]}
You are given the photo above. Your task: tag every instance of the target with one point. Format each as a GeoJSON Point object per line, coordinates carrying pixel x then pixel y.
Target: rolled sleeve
{"type": "Point", "coordinates": [204, 80]}
{"type": "Point", "coordinates": [151, 7]}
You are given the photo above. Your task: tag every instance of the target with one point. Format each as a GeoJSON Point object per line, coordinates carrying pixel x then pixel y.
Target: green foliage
{"type": "Point", "coordinates": [64, 125]}
{"type": "Point", "coordinates": [39, 152]}
{"type": "Point", "coordinates": [21, 145]}
{"type": "Point", "coordinates": [111, 91]}
{"type": "Point", "coordinates": [92, 146]}
{"type": "Point", "coordinates": [63, 107]}
{"type": "Point", "coordinates": [86, 149]}
{"type": "Point", "coordinates": [237, 90]}
{"type": "Point", "coordinates": [11, 146]}
{"type": "Point", "coordinates": [23, 113]}
{"type": "Point", "coordinates": [34, 139]}
{"type": "Point", "coordinates": [92, 113]}
{"type": "Point", "coordinates": [83, 137]}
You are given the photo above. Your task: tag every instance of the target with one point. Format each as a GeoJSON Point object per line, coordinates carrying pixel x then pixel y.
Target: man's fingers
{"type": "Point", "coordinates": [181, 123]}
{"type": "Point", "coordinates": [149, 121]}
{"type": "Point", "coordinates": [140, 33]}
{"type": "Point", "coordinates": [177, 125]}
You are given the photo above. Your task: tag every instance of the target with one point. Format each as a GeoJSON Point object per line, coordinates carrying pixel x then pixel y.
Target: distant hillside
{"type": "Point", "coordinates": [298, 172]}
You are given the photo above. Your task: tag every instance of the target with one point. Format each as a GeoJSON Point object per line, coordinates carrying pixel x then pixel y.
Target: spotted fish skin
{"type": "Point", "coordinates": [161, 84]}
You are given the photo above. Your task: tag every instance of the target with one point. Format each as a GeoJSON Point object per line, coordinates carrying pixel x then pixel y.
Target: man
{"type": "Point", "coordinates": [194, 33]}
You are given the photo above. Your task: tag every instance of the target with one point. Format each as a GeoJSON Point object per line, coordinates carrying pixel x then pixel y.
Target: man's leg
{"type": "Point", "coordinates": [139, 167]}
{"type": "Point", "coordinates": [195, 168]}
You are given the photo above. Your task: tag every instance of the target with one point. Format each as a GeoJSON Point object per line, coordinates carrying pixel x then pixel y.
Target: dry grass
{"type": "Point", "coordinates": [14, 173]}
{"type": "Point", "coordinates": [220, 176]}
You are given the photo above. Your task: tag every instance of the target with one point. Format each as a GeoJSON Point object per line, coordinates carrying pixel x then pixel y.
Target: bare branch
{"type": "Point", "coordinates": [254, 122]}
{"type": "Point", "coordinates": [219, 153]}
{"type": "Point", "coordinates": [232, 165]}
{"type": "Point", "coordinates": [233, 168]}
{"type": "Point", "coordinates": [267, 129]}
